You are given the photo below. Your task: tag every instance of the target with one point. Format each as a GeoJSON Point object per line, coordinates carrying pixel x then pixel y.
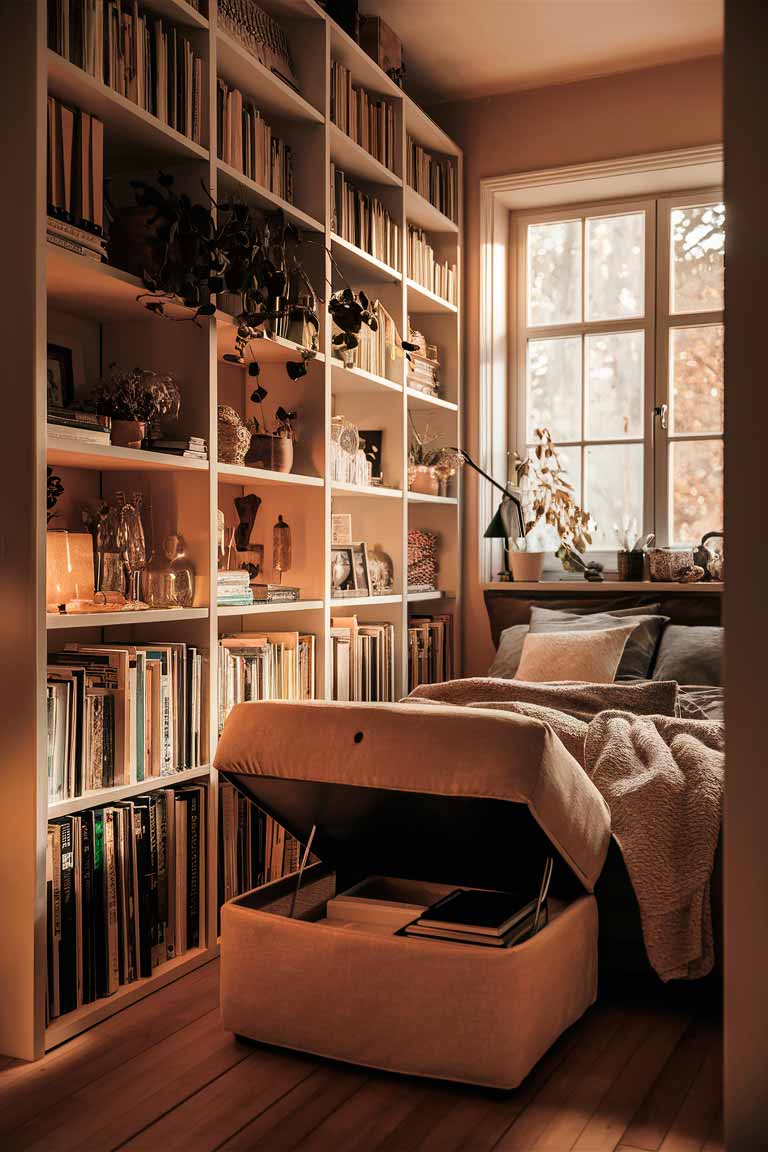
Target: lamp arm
{"type": "Point", "coordinates": [468, 460]}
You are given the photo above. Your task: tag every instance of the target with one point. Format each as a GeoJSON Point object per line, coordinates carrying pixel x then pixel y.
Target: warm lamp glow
{"type": "Point", "coordinates": [69, 568]}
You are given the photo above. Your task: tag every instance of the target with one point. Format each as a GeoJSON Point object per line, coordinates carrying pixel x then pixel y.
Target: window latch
{"type": "Point", "coordinates": [661, 412]}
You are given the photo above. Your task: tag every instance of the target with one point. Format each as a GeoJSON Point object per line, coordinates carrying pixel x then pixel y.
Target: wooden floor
{"type": "Point", "coordinates": [164, 1075]}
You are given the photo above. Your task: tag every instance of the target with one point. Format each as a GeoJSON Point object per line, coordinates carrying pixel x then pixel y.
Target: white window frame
{"type": "Point", "coordinates": [656, 323]}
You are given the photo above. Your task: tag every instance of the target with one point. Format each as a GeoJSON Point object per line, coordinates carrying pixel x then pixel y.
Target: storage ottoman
{"type": "Point", "coordinates": [433, 798]}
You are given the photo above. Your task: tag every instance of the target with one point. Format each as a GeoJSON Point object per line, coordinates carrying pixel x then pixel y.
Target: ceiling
{"type": "Point", "coordinates": [460, 49]}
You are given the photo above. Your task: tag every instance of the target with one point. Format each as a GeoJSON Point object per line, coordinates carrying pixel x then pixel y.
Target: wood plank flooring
{"type": "Point", "coordinates": [161, 1076]}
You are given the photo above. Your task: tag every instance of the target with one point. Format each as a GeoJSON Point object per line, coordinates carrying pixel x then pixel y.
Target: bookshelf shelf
{"type": "Point", "coordinates": [272, 95]}
{"type": "Point", "coordinates": [230, 180]}
{"type": "Point", "coordinates": [130, 133]}
{"type": "Point", "coordinates": [365, 490]}
{"type": "Point", "coordinates": [91, 307]}
{"type": "Point", "coordinates": [110, 619]}
{"type": "Point", "coordinates": [123, 791]}
{"type": "Point", "coordinates": [65, 1027]}
{"type": "Point", "coordinates": [346, 381]}
{"type": "Point", "coordinates": [359, 265]}
{"type": "Point", "coordinates": [271, 608]}
{"type": "Point", "coordinates": [421, 300]}
{"type": "Point", "coordinates": [242, 476]}
{"type": "Point", "coordinates": [417, 399]}
{"type": "Point", "coordinates": [356, 161]}
{"type": "Point", "coordinates": [419, 211]}
{"type": "Point", "coordinates": [424, 498]}
{"type": "Point", "coordinates": [67, 453]}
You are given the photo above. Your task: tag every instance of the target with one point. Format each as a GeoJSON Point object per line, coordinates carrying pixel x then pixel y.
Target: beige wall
{"type": "Point", "coordinates": [654, 110]}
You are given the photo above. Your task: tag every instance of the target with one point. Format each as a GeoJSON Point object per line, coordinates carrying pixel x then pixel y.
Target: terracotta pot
{"type": "Point", "coordinates": [422, 478]}
{"type": "Point", "coordinates": [272, 452]}
{"type": "Point", "coordinates": [526, 566]}
{"type": "Point", "coordinates": [128, 433]}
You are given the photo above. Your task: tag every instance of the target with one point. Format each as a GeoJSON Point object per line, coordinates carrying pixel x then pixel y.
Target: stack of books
{"type": "Point", "coordinates": [430, 650]}
{"type": "Point", "coordinates": [275, 593]}
{"type": "Point", "coordinates": [138, 54]}
{"type": "Point", "coordinates": [233, 588]}
{"type": "Point", "coordinates": [85, 427]}
{"type": "Point", "coordinates": [245, 142]}
{"type": "Point", "coordinates": [366, 119]}
{"type": "Point", "coordinates": [122, 713]}
{"type": "Point", "coordinates": [125, 893]}
{"type": "Point", "coordinates": [363, 220]}
{"type": "Point", "coordinates": [362, 660]}
{"type": "Point", "coordinates": [75, 189]}
{"type": "Point", "coordinates": [265, 666]}
{"type": "Point", "coordinates": [438, 276]}
{"type": "Point", "coordinates": [193, 447]}
{"type": "Point", "coordinates": [486, 918]}
{"type": "Point", "coordinates": [433, 177]}
{"type": "Point", "coordinates": [253, 848]}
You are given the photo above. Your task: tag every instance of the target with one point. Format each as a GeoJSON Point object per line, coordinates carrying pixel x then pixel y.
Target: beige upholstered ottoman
{"type": "Point", "coordinates": [433, 798]}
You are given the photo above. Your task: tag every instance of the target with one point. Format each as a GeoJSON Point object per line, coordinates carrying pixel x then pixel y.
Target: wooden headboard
{"type": "Point", "coordinates": [685, 604]}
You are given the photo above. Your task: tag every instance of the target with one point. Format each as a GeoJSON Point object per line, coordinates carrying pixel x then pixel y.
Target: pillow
{"type": "Point", "coordinates": [583, 656]}
{"type": "Point", "coordinates": [637, 661]}
{"type": "Point", "coordinates": [690, 655]}
{"type": "Point", "coordinates": [509, 651]}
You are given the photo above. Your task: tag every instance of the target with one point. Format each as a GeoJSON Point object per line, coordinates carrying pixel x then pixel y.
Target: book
{"type": "Point", "coordinates": [515, 935]}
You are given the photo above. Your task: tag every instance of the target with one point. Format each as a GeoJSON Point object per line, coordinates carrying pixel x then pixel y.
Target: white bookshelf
{"type": "Point", "coordinates": [55, 294]}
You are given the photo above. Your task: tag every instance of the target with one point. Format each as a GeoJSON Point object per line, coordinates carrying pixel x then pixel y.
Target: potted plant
{"type": "Point", "coordinates": [422, 459]}
{"type": "Point", "coordinates": [271, 449]}
{"type": "Point", "coordinates": [548, 500]}
{"type": "Point", "coordinates": [133, 398]}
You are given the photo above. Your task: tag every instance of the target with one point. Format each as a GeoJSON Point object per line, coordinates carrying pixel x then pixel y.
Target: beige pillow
{"type": "Point", "coordinates": [586, 657]}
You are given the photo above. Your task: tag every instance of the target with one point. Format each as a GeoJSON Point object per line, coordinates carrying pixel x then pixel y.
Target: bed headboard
{"type": "Point", "coordinates": [510, 606]}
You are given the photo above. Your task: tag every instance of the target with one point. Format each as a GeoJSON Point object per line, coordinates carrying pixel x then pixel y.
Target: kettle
{"type": "Point", "coordinates": [710, 559]}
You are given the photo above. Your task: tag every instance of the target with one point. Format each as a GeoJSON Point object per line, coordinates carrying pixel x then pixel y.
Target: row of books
{"type": "Point", "coordinates": [75, 180]}
{"type": "Point", "coordinates": [363, 220]}
{"type": "Point", "coordinates": [122, 713]}
{"type": "Point", "coordinates": [433, 177]}
{"type": "Point", "coordinates": [362, 660]}
{"type": "Point", "coordinates": [253, 848]}
{"type": "Point", "coordinates": [430, 650]}
{"type": "Point", "coordinates": [438, 276]}
{"type": "Point", "coordinates": [380, 352]}
{"type": "Point", "coordinates": [125, 893]}
{"type": "Point", "coordinates": [265, 666]}
{"type": "Point", "coordinates": [141, 56]}
{"type": "Point", "coordinates": [245, 142]}
{"type": "Point", "coordinates": [366, 119]}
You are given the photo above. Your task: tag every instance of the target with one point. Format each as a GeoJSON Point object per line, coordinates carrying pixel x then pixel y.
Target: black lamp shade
{"type": "Point", "coordinates": [507, 523]}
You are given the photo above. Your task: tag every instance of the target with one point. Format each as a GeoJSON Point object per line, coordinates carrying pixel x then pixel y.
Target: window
{"type": "Point", "coordinates": [620, 355]}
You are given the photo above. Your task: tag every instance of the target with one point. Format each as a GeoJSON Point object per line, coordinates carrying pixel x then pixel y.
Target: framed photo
{"type": "Point", "coordinates": [362, 572]}
{"type": "Point", "coordinates": [341, 529]}
{"type": "Point", "coordinates": [371, 443]}
{"type": "Point", "coordinates": [61, 385]}
{"type": "Point", "coordinates": [343, 579]}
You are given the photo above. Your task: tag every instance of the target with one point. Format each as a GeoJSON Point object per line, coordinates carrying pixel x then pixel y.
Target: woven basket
{"type": "Point", "coordinates": [234, 438]}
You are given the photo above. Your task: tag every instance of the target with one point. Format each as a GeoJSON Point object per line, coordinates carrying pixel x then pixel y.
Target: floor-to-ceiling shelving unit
{"type": "Point", "coordinates": [63, 298]}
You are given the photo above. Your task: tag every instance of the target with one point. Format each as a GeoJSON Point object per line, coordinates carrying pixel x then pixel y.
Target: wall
{"type": "Point", "coordinates": [653, 110]}
{"type": "Point", "coordinates": [746, 607]}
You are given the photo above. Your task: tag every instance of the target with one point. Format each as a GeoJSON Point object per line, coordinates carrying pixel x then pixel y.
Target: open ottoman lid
{"type": "Point", "coordinates": [433, 792]}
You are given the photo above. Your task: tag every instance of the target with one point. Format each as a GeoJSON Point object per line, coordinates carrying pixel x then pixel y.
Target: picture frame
{"type": "Point", "coordinates": [371, 441]}
{"type": "Point", "coordinates": [361, 569]}
{"type": "Point", "coordinates": [341, 529]}
{"type": "Point", "coordinates": [343, 575]}
{"type": "Point", "coordinates": [60, 387]}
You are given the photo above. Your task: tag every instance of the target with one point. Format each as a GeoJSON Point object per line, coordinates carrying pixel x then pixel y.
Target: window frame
{"type": "Point", "coordinates": [656, 323]}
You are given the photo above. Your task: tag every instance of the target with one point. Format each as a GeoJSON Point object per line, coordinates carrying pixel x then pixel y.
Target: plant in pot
{"type": "Point", "coordinates": [549, 503]}
{"type": "Point", "coordinates": [429, 469]}
{"type": "Point", "coordinates": [133, 398]}
{"type": "Point", "coordinates": [270, 449]}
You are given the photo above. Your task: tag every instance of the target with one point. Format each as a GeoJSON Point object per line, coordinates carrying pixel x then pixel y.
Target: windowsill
{"type": "Point", "coordinates": [590, 587]}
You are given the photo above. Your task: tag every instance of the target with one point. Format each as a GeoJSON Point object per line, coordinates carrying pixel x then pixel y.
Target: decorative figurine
{"type": "Point", "coordinates": [281, 548]}
{"type": "Point", "coordinates": [247, 507]}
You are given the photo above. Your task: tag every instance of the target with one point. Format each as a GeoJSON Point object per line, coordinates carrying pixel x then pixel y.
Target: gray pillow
{"type": "Point", "coordinates": [640, 649]}
{"type": "Point", "coordinates": [690, 655]}
{"type": "Point", "coordinates": [509, 652]}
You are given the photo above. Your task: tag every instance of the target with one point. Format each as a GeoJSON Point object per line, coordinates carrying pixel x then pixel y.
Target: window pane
{"type": "Point", "coordinates": [615, 385]}
{"type": "Point", "coordinates": [698, 246]}
{"type": "Point", "coordinates": [554, 272]}
{"type": "Point", "coordinates": [696, 376]}
{"type": "Point", "coordinates": [615, 266]}
{"type": "Point", "coordinates": [696, 480]}
{"type": "Point", "coordinates": [613, 488]}
{"type": "Point", "coordinates": [554, 388]}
